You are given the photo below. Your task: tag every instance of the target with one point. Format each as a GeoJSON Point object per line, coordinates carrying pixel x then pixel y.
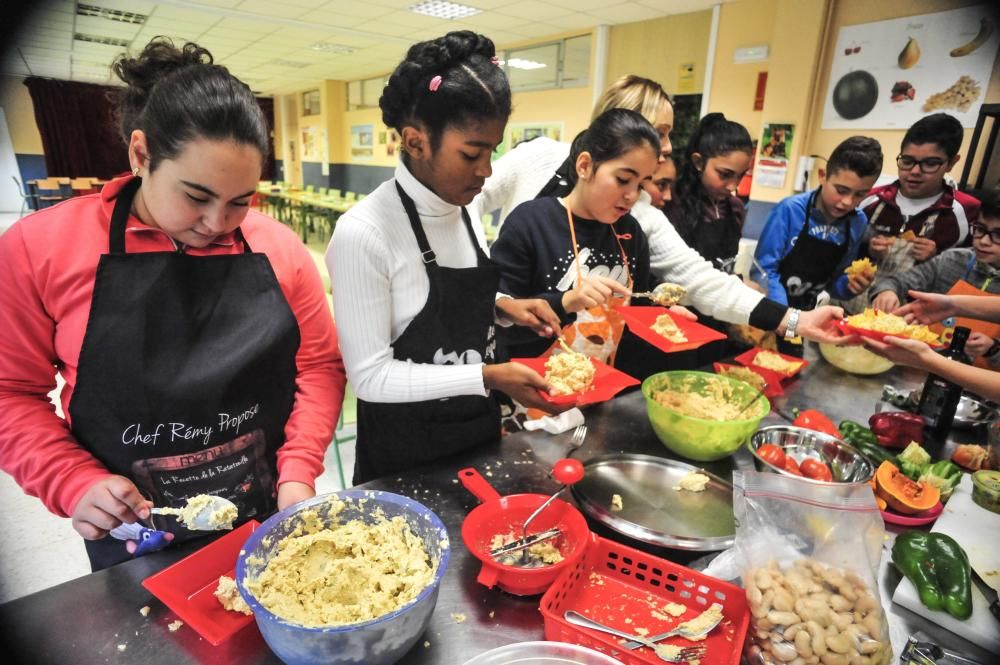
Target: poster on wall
{"type": "Point", "coordinates": [310, 144]}
{"type": "Point", "coordinates": [772, 159]}
{"type": "Point", "coordinates": [519, 132]}
{"type": "Point", "coordinates": [889, 74]}
{"type": "Point", "coordinates": [362, 141]}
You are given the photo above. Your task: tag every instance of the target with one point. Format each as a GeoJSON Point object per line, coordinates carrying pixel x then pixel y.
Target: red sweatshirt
{"type": "Point", "coordinates": [48, 262]}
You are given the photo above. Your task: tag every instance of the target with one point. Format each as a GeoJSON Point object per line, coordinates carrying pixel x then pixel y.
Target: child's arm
{"type": "Point", "coordinates": [913, 353]}
{"type": "Point", "coordinates": [515, 256]}
{"type": "Point", "coordinates": [774, 245]}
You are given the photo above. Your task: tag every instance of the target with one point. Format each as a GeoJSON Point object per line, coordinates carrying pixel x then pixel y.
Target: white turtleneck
{"type": "Point", "coordinates": [380, 284]}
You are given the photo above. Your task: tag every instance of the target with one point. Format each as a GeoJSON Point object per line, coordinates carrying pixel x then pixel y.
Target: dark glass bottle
{"type": "Point", "coordinates": [940, 397]}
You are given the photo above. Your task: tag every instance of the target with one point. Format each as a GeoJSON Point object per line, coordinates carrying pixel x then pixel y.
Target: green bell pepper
{"type": "Point", "coordinates": [866, 442]}
{"type": "Point", "coordinates": [938, 568]}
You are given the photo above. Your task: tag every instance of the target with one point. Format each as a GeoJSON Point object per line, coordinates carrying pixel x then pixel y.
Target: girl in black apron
{"type": "Point", "coordinates": [449, 101]}
{"type": "Point", "coordinates": [187, 371]}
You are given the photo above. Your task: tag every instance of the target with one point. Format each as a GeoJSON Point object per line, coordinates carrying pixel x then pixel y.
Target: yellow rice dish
{"type": "Point", "coordinates": [569, 372]}
{"type": "Point", "coordinates": [745, 375]}
{"type": "Point", "coordinates": [665, 326]}
{"type": "Point", "coordinates": [890, 324]}
{"type": "Point", "coordinates": [774, 362]}
{"type": "Point", "coordinates": [861, 267]}
{"type": "Point", "coordinates": [715, 401]}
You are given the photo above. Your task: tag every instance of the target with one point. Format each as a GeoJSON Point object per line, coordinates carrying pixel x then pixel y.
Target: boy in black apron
{"type": "Point", "coordinates": [810, 238]}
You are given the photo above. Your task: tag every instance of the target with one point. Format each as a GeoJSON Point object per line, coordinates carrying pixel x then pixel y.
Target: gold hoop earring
{"type": "Point", "coordinates": [135, 171]}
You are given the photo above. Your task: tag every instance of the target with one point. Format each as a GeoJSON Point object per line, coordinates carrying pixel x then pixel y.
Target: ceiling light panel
{"type": "Point", "coordinates": [102, 39]}
{"type": "Point", "coordinates": [108, 14]}
{"type": "Point", "coordinates": [443, 9]}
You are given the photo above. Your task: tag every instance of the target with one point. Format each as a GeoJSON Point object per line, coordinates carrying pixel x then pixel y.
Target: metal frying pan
{"type": "Point", "coordinates": [653, 511]}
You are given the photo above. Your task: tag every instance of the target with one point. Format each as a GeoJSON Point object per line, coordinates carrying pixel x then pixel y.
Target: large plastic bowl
{"type": "Point", "coordinates": [543, 653]}
{"type": "Point", "coordinates": [696, 438]}
{"type": "Point", "coordinates": [854, 359]}
{"type": "Point", "coordinates": [378, 642]}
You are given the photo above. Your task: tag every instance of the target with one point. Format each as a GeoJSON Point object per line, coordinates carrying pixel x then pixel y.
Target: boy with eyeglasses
{"type": "Point", "coordinates": [920, 214]}
{"type": "Point", "coordinates": [957, 271]}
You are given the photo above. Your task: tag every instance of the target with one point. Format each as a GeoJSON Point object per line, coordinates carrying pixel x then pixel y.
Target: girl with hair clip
{"type": "Point", "coordinates": [415, 294]}
{"type": "Point", "coordinates": [705, 210]}
{"type": "Point", "coordinates": [580, 252]}
{"type": "Point", "coordinates": [540, 168]}
{"type": "Point", "coordinates": [193, 334]}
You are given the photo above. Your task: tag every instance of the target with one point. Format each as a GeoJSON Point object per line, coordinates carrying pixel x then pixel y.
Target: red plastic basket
{"type": "Point", "coordinates": [622, 587]}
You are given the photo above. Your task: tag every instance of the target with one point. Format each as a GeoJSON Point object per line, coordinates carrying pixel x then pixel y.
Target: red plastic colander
{"type": "Point", "coordinates": [505, 514]}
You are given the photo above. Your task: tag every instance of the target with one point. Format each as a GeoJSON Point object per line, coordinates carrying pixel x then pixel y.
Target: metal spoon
{"type": "Point", "coordinates": [689, 653]}
{"type": "Point", "coordinates": [665, 294]}
{"type": "Point", "coordinates": [203, 513]}
{"type": "Point", "coordinates": [566, 471]}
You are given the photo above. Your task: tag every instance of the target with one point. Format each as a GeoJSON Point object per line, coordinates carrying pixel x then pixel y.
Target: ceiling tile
{"type": "Point", "coordinates": [578, 21]}
{"type": "Point", "coordinates": [227, 4]}
{"type": "Point", "coordinates": [680, 6]}
{"type": "Point", "coordinates": [246, 25]}
{"type": "Point", "coordinates": [415, 20]}
{"type": "Point", "coordinates": [584, 5]}
{"type": "Point", "coordinates": [534, 10]}
{"type": "Point", "coordinates": [273, 9]}
{"type": "Point", "coordinates": [491, 20]}
{"type": "Point", "coordinates": [335, 20]}
{"type": "Point", "coordinates": [626, 13]}
{"type": "Point", "coordinates": [383, 28]}
{"type": "Point", "coordinates": [364, 10]}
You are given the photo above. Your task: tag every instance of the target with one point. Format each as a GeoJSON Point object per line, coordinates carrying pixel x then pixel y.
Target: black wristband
{"type": "Point", "coordinates": [993, 350]}
{"type": "Point", "coordinates": [768, 314]}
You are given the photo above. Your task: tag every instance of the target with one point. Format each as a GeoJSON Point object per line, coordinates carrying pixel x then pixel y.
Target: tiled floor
{"type": "Point", "coordinates": [40, 550]}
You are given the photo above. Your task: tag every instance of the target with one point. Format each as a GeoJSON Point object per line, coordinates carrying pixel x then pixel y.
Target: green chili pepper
{"type": "Point", "coordinates": [938, 568]}
{"type": "Point", "coordinates": [865, 441]}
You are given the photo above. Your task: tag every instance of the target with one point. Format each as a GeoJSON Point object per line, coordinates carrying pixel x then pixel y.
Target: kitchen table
{"type": "Point", "coordinates": [87, 620]}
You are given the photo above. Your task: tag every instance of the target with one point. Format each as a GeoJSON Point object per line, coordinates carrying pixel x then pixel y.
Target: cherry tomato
{"type": "Point", "coordinates": [772, 454]}
{"type": "Point", "coordinates": [791, 466]}
{"type": "Point", "coordinates": [813, 468]}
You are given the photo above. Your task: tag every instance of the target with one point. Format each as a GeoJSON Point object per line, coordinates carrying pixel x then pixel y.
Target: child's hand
{"type": "Point", "coordinates": [879, 246]}
{"type": "Point", "coordinates": [922, 249]}
{"type": "Point", "coordinates": [534, 313]}
{"type": "Point", "coordinates": [292, 492]}
{"type": "Point", "coordinates": [591, 292]}
{"type": "Point", "coordinates": [107, 504]}
{"type": "Point", "coordinates": [860, 282]}
{"type": "Point", "coordinates": [887, 301]}
{"type": "Point", "coordinates": [902, 351]}
{"type": "Point", "coordinates": [683, 311]}
{"type": "Point", "coordinates": [978, 344]}
{"type": "Point", "coordinates": [521, 383]}
{"type": "Point", "coordinates": [927, 308]}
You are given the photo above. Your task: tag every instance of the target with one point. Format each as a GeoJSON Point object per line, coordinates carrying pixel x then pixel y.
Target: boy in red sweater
{"type": "Point", "coordinates": [920, 215]}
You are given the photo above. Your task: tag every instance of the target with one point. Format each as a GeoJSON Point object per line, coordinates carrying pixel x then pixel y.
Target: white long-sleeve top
{"type": "Point", "coordinates": [380, 284]}
{"type": "Point", "coordinates": [520, 174]}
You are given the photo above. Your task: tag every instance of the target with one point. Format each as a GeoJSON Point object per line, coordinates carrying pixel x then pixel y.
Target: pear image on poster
{"type": "Point", "coordinates": [909, 55]}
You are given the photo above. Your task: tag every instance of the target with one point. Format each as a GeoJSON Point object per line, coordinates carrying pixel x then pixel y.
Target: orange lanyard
{"type": "Point", "coordinates": [576, 250]}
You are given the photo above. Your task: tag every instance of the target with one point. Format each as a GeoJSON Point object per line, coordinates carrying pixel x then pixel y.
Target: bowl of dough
{"type": "Point", "coordinates": [700, 415]}
{"type": "Point", "coordinates": [350, 577]}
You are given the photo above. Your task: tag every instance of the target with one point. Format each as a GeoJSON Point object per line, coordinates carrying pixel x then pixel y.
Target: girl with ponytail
{"type": "Point", "coordinates": [705, 210]}
{"type": "Point", "coordinates": [192, 332]}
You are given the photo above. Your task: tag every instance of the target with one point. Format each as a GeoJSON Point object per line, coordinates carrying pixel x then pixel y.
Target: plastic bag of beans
{"type": "Point", "coordinates": [809, 556]}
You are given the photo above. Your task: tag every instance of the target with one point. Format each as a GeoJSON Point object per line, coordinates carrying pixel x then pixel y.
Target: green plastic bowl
{"type": "Point", "coordinates": [696, 438]}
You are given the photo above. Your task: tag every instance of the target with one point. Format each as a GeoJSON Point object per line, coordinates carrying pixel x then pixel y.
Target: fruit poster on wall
{"type": "Point", "coordinates": [889, 74]}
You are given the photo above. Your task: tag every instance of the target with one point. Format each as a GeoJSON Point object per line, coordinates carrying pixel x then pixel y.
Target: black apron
{"type": "Point", "coordinates": [186, 377]}
{"type": "Point", "coordinates": [806, 270]}
{"type": "Point", "coordinates": [454, 327]}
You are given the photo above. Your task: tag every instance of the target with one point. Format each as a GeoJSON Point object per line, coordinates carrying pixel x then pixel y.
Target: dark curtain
{"type": "Point", "coordinates": [76, 121]}
{"type": "Point", "coordinates": [267, 106]}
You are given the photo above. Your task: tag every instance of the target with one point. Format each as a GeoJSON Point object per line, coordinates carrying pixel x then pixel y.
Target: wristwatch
{"type": "Point", "coordinates": [793, 322]}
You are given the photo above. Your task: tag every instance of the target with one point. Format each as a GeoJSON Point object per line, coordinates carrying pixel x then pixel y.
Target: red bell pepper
{"type": "Point", "coordinates": [816, 421]}
{"type": "Point", "coordinates": [896, 429]}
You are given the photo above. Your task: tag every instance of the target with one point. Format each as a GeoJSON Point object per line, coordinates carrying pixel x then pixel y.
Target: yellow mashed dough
{"type": "Point", "coordinates": [343, 574]}
{"type": "Point", "coordinates": [716, 401]}
{"type": "Point", "coordinates": [539, 554]}
{"type": "Point", "coordinates": [217, 519]}
{"type": "Point", "coordinates": [229, 596]}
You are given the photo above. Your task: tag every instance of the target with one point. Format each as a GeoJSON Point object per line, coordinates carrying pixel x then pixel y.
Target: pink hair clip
{"type": "Point", "coordinates": [434, 84]}
{"type": "Point", "coordinates": [495, 60]}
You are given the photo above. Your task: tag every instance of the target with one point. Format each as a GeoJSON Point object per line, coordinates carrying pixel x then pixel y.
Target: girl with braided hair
{"type": "Point", "coordinates": [414, 291]}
